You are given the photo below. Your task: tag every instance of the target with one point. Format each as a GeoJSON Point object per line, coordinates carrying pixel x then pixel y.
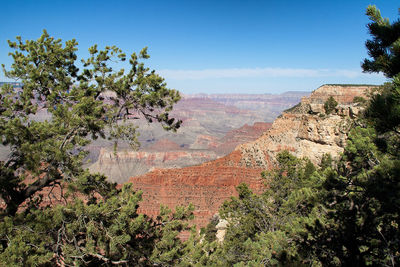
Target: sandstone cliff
{"type": "Point", "coordinates": [305, 130]}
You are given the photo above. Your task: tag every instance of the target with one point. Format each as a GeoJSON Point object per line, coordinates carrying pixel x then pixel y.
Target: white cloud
{"type": "Point", "coordinates": [258, 72]}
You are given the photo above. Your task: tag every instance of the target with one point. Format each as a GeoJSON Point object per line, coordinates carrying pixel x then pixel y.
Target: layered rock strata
{"type": "Point", "coordinates": [206, 186]}
{"type": "Point", "coordinates": [305, 130]}
{"type": "Point", "coordinates": [165, 154]}
{"type": "Point", "coordinates": [118, 166]}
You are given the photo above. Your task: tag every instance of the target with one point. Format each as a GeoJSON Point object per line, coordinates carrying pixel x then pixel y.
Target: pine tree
{"type": "Point", "coordinates": [100, 225]}
{"type": "Point", "coordinates": [264, 229]}
{"type": "Point", "coordinates": [363, 190]}
{"type": "Point", "coordinates": [83, 105]}
{"type": "Point", "coordinates": [330, 105]}
{"type": "Point", "coordinates": [384, 47]}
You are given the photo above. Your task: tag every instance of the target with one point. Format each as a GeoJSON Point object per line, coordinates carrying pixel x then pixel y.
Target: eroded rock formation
{"type": "Point", "coordinates": [206, 186]}
{"type": "Point", "coordinates": [165, 154]}
{"type": "Point", "coordinates": [305, 130]}
{"type": "Point", "coordinates": [118, 166]}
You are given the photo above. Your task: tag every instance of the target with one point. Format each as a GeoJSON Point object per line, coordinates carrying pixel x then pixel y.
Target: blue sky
{"type": "Point", "coordinates": [214, 46]}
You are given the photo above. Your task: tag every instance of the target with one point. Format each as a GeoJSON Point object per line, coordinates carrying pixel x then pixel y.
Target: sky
{"type": "Point", "coordinates": [215, 46]}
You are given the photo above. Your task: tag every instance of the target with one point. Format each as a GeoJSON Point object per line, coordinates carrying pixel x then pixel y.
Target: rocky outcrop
{"type": "Point", "coordinates": [302, 134]}
{"type": "Point", "coordinates": [303, 130]}
{"type": "Point", "coordinates": [221, 229]}
{"type": "Point", "coordinates": [343, 94]}
{"type": "Point", "coordinates": [306, 130]}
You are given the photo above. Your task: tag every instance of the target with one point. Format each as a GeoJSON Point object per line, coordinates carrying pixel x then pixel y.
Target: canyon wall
{"type": "Point", "coordinates": [212, 127]}
{"type": "Point", "coordinates": [206, 186]}
{"type": "Point", "coordinates": [118, 166]}
{"type": "Point", "coordinates": [165, 154]}
{"type": "Point", "coordinates": [305, 130]}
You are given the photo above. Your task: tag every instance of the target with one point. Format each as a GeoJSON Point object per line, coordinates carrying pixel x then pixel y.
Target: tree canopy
{"type": "Point", "coordinates": [330, 105]}
{"type": "Point", "coordinates": [384, 47]}
{"type": "Point", "coordinates": [83, 105]}
{"type": "Point", "coordinates": [99, 225]}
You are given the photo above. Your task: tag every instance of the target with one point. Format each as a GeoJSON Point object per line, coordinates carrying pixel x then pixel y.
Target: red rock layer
{"type": "Point", "coordinates": [206, 186]}
{"type": "Point", "coordinates": [306, 132]}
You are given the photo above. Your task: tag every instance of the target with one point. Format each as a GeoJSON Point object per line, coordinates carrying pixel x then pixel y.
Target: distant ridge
{"type": "Point", "coordinates": [201, 95]}
{"type": "Point", "coordinates": [348, 85]}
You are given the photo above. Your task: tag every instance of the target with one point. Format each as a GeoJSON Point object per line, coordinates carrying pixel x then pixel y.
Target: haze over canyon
{"type": "Point", "coordinates": [213, 125]}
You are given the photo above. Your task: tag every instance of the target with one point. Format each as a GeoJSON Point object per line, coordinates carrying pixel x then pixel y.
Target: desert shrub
{"type": "Point", "coordinates": [330, 105]}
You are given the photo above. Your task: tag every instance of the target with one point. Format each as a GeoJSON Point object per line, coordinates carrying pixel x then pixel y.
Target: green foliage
{"type": "Point", "coordinates": [326, 162]}
{"type": "Point", "coordinates": [384, 108]}
{"type": "Point", "coordinates": [210, 230]}
{"type": "Point", "coordinates": [362, 195]}
{"type": "Point", "coordinates": [263, 229]}
{"type": "Point", "coordinates": [83, 105]}
{"type": "Point", "coordinates": [330, 105]}
{"type": "Point", "coordinates": [105, 233]}
{"type": "Point", "coordinates": [169, 249]}
{"type": "Point", "coordinates": [359, 99]}
{"type": "Point", "coordinates": [98, 223]}
{"type": "Point", "coordinates": [384, 48]}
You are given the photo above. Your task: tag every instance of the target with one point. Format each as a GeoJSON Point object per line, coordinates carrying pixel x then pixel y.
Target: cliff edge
{"type": "Point", "coordinates": [305, 130]}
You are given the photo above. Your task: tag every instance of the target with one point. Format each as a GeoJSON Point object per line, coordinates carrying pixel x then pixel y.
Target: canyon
{"type": "Point", "coordinates": [212, 127]}
{"type": "Point", "coordinates": [305, 130]}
